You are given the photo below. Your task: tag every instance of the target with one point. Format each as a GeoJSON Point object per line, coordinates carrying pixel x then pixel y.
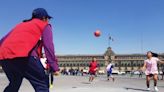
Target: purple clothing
{"type": "Point", "coordinates": [47, 43]}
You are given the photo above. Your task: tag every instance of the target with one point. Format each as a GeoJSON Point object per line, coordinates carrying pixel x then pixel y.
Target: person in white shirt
{"type": "Point", "coordinates": [46, 66]}
{"type": "Point", "coordinates": [109, 72]}
{"type": "Point", "coordinates": [43, 60]}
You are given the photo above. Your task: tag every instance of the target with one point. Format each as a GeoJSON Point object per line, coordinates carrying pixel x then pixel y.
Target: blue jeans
{"type": "Point", "coordinates": [109, 73]}
{"type": "Point", "coordinates": [29, 68]}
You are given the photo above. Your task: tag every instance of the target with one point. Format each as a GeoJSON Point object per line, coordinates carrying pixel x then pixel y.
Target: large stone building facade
{"type": "Point", "coordinates": [123, 62]}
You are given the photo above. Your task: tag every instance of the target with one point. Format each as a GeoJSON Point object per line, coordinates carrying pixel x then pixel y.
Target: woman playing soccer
{"type": "Point", "coordinates": [92, 69]}
{"type": "Point", "coordinates": [151, 70]}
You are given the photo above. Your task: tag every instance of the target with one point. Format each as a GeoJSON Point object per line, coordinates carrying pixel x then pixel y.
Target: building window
{"type": "Point", "coordinates": [116, 65]}
{"type": "Point", "coordinates": [129, 64]}
{"type": "Point", "coordinates": [134, 65]}
{"type": "Point", "coordinates": [64, 65]}
{"type": "Point", "coordinates": [67, 65]}
{"type": "Point", "coordinates": [101, 65]}
{"type": "Point", "coordinates": [60, 65]}
{"type": "Point", "coordinates": [74, 65]}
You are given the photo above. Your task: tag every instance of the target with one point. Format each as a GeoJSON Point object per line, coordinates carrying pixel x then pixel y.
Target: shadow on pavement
{"type": "Point", "coordinates": [161, 86]}
{"type": "Point", "coordinates": [137, 89]}
{"type": "Point", "coordinates": [85, 82]}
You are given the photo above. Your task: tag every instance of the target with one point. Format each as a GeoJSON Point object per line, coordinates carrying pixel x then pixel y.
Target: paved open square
{"type": "Point", "coordinates": [81, 84]}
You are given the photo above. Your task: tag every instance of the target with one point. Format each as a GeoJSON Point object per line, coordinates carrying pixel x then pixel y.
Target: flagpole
{"type": "Point", "coordinates": [109, 40]}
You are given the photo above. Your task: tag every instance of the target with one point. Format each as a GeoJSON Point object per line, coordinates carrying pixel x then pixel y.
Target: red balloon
{"type": "Point", "coordinates": [97, 33]}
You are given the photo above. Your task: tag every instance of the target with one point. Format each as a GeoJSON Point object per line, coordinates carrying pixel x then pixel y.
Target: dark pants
{"type": "Point", "coordinates": [29, 68]}
{"type": "Point", "coordinates": [52, 78]}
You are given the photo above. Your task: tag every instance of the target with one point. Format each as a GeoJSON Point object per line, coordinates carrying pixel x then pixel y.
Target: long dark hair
{"type": "Point", "coordinates": [153, 54]}
{"type": "Point", "coordinates": [26, 20]}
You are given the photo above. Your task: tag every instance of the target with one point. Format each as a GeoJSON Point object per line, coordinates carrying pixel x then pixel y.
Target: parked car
{"type": "Point", "coordinates": [85, 71]}
{"type": "Point", "coordinates": [122, 73]}
{"type": "Point", "coordinates": [136, 72]}
{"type": "Point", "coordinates": [115, 72]}
{"type": "Point", "coordinates": [101, 72]}
{"type": "Point", "coordinates": [160, 72]}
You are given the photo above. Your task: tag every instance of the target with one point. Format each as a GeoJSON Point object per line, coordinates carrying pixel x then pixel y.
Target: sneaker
{"type": "Point", "coordinates": [148, 89]}
{"type": "Point", "coordinates": [51, 86]}
{"type": "Point", "coordinates": [156, 89]}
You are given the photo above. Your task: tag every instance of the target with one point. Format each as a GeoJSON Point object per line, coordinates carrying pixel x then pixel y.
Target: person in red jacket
{"type": "Point", "coordinates": [20, 52]}
{"type": "Point", "coordinates": [92, 69]}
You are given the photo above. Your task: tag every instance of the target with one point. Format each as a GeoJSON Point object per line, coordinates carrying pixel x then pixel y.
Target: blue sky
{"type": "Point", "coordinates": [129, 22]}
